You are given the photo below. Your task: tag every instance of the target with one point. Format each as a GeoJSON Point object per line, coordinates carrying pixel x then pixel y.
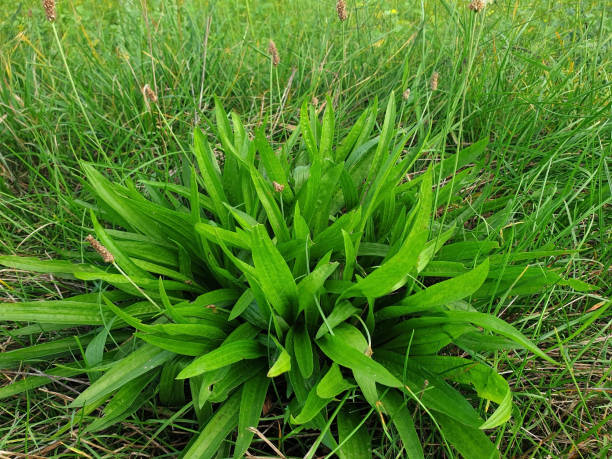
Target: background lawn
{"type": "Point", "coordinates": [533, 76]}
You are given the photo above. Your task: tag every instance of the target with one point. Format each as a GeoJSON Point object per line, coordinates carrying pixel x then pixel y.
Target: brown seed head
{"type": "Point", "coordinates": [267, 406]}
{"type": "Point", "coordinates": [49, 6]}
{"type": "Point", "coordinates": [148, 94]}
{"type": "Point", "coordinates": [273, 51]}
{"type": "Point", "coordinates": [477, 5]}
{"type": "Point", "coordinates": [341, 9]}
{"type": "Point", "coordinates": [406, 94]}
{"type": "Point", "coordinates": [103, 251]}
{"type": "Point", "coordinates": [278, 187]}
{"type": "Point", "coordinates": [434, 81]}
{"type": "Point", "coordinates": [220, 157]}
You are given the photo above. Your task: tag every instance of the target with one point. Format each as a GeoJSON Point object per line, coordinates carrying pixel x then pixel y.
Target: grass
{"type": "Point", "coordinates": [533, 77]}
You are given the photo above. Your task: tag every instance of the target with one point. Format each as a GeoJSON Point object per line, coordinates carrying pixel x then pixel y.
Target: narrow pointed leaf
{"type": "Point", "coordinates": [224, 355]}
{"type": "Point", "coordinates": [140, 361]}
{"type": "Point", "coordinates": [273, 274]}
{"type": "Point", "coordinates": [349, 357]}
{"type": "Point", "coordinates": [216, 431]}
{"type": "Point", "coordinates": [252, 401]}
{"type": "Point", "coordinates": [439, 294]}
{"type": "Point", "coordinates": [333, 383]}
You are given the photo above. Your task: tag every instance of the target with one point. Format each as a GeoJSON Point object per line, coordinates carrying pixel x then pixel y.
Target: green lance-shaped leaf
{"type": "Point", "coordinates": [393, 273]}
{"type": "Point", "coordinates": [272, 163]}
{"type": "Point", "coordinates": [178, 345]}
{"type": "Point", "coordinates": [307, 134]}
{"type": "Point", "coordinates": [498, 326]}
{"type": "Point", "coordinates": [302, 348]}
{"type": "Point", "coordinates": [439, 294]}
{"type": "Point", "coordinates": [127, 400]}
{"type": "Point", "coordinates": [384, 142]}
{"type": "Point", "coordinates": [274, 275]}
{"type": "Point", "coordinates": [242, 304]}
{"type": "Point", "coordinates": [107, 192]}
{"type": "Point", "coordinates": [342, 311]}
{"type": "Point", "coordinates": [311, 284]}
{"type": "Point", "coordinates": [486, 381]}
{"type": "Point", "coordinates": [216, 431]}
{"type": "Point", "coordinates": [349, 357]}
{"type": "Point", "coordinates": [210, 175]}
{"type": "Point", "coordinates": [313, 405]}
{"type": "Point", "coordinates": [273, 212]}
{"type": "Point", "coordinates": [333, 383]}
{"type": "Point", "coordinates": [45, 266]}
{"type": "Point", "coordinates": [233, 239]}
{"type": "Point", "coordinates": [43, 350]}
{"type": "Point", "coordinates": [224, 355]}
{"type": "Point", "coordinates": [139, 362]}
{"type": "Point", "coordinates": [54, 312]}
{"type": "Point", "coordinates": [353, 436]}
{"type": "Point", "coordinates": [469, 441]}
{"type": "Point", "coordinates": [349, 141]}
{"type": "Point", "coordinates": [252, 401]}
{"type": "Point", "coordinates": [395, 405]}
{"type": "Point", "coordinates": [282, 363]}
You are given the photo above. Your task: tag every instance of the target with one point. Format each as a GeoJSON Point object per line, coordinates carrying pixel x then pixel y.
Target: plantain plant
{"type": "Point", "coordinates": [315, 276]}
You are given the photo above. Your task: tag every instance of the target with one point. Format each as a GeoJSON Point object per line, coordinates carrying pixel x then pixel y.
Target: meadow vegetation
{"type": "Point", "coordinates": [389, 204]}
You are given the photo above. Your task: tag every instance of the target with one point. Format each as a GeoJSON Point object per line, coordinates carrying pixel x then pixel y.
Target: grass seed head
{"type": "Point", "coordinates": [406, 94]}
{"type": "Point", "coordinates": [103, 251]}
{"type": "Point", "coordinates": [273, 51]}
{"type": "Point", "coordinates": [220, 157]}
{"type": "Point", "coordinates": [148, 94]}
{"type": "Point", "coordinates": [49, 6]}
{"type": "Point", "coordinates": [341, 9]}
{"type": "Point", "coordinates": [477, 5]}
{"type": "Point", "coordinates": [434, 81]}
